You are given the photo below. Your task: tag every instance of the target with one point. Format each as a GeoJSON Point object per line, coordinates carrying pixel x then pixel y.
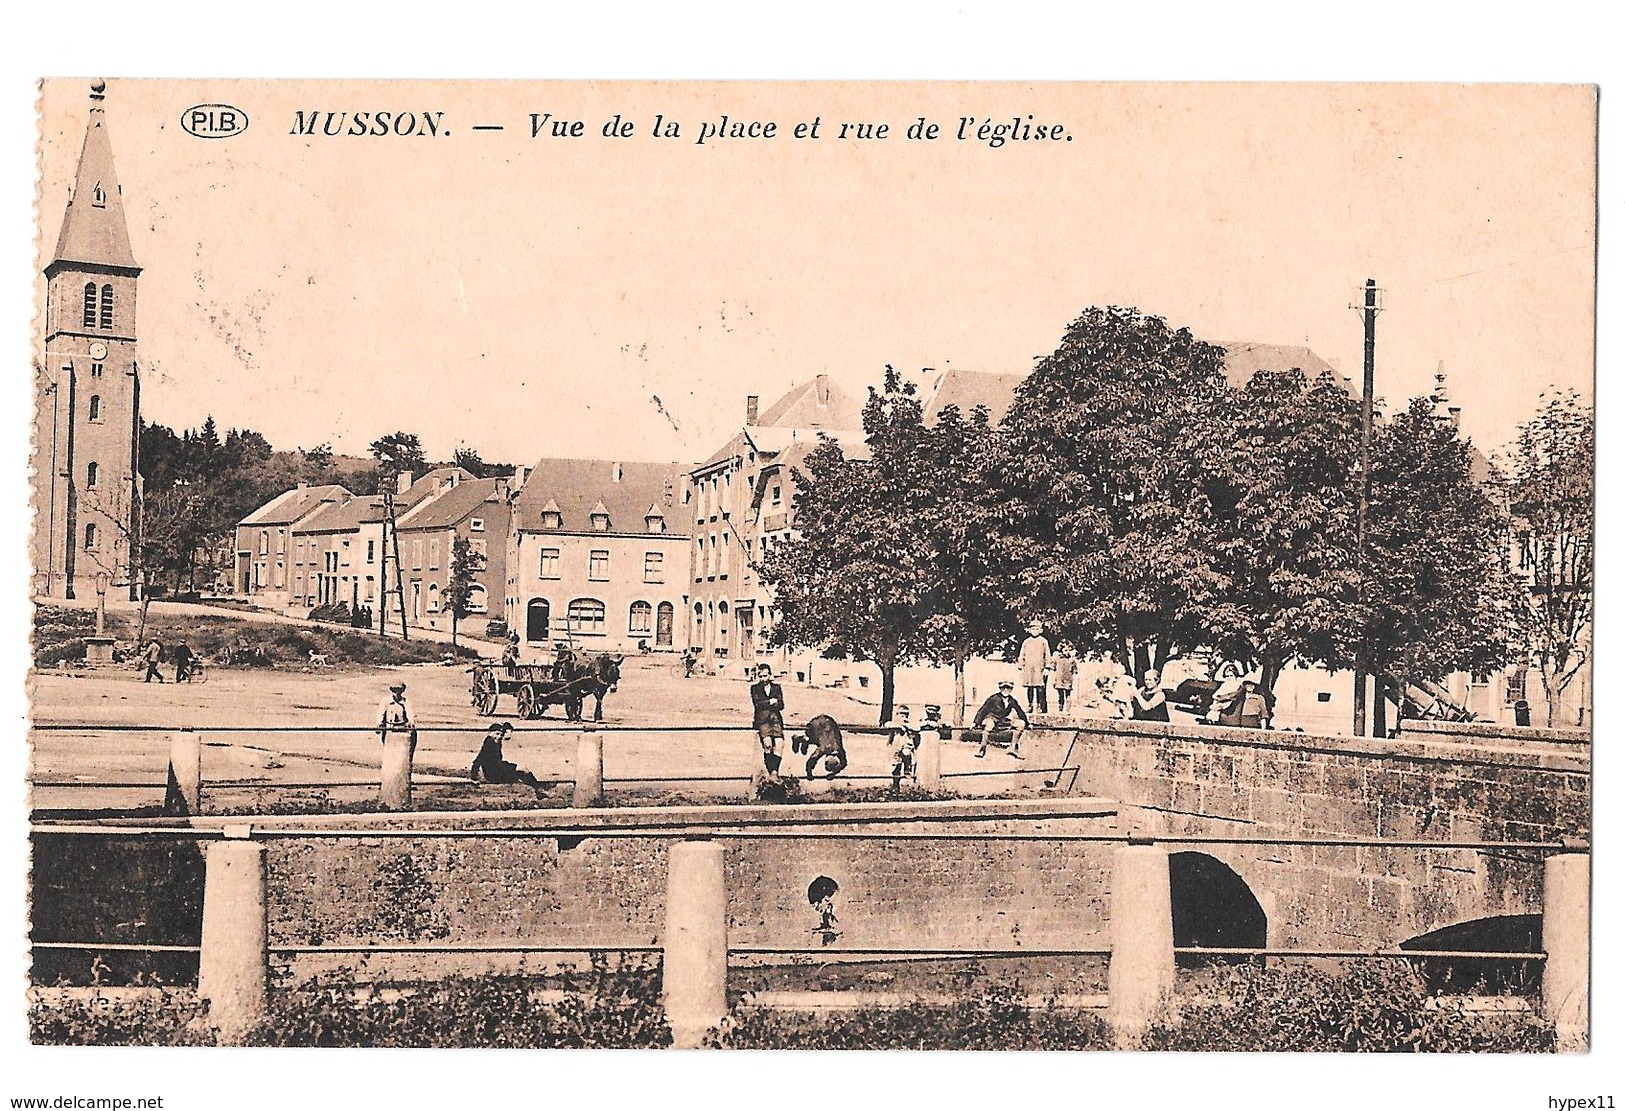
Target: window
{"type": "Point", "coordinates": [434, 554]}
{"type": "Point", "coordinates": [476, 599]}
{"type": "Point", "coordinates": [476, 524]}
{"type": "Point", "coordinates": [598, 565]}
{"type": "Point", "coordinates": [550, 563]}
{"type": "Point", "coordinates": [417, 555]}
{"type": "Point", "coordinates": [600, 522]}
{"type": "Point", "coordinates": [778, 494]}
{"type": "Point", "coordinates": [586, 616]}
{"type": "Point", "coordinates": [265, 542]}
{"type": "Point", "coordinates": [1517, 685]}
{"type": "Point", "coordinates": [90, 538]}
{"type": "Point", "coordinates": [90, 304]}
{"type": "Point", "coordinates": [654, 567]}
{"type": "Point", "coordinates": [282, 542]}
{"type": "Point", "coordinates": [370, 544]}
{"type": "Point", "coordinates": [367, 591]}
{"type": "Point", "coordinates": [107, 306]}
{"type": "Point", "coordinates": [95, 411]}
{"type": "Point", "coordinates": [552, 519]}
{"type": "Point", "coordinates": [98, 196]}
{"type": "Point", "coordinates": [92, 473]}
{"type": "Point", "coordinates": [640, 622]}
{"type": "Point", "coordinates": [434, 597]}
{"type": "Point", "coordinates": [95, 370]}
{"type": "Point", "coordinates": [477, 547]}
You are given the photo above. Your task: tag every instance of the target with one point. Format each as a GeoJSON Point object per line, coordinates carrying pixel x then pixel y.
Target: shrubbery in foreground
{"type": "Point", "coordinates": [994, 1020]}
{"type": "Point", "coordinates": [1369, 1007]}
{"type": "Point", "coordinates": [1374, 1007]}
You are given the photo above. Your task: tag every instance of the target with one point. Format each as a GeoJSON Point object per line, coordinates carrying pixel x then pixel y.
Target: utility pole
{"type": "Point", "coordinates": [1369, 312]}
{"type": "Point", "coordinates": [390, 558]}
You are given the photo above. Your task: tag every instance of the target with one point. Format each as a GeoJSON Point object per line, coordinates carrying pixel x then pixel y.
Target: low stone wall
{"type": "Point", "coordinates": [1188, 779]}
{"type": "Point", "coordinates": [977, 892]}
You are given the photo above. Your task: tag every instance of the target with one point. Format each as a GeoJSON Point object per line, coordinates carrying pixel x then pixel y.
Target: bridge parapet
{"type": "Point", "coordinates": [1424, 787]}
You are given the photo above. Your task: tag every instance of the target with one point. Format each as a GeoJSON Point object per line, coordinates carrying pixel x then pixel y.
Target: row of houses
{"type": "Point", "coordinates": [623, 555]}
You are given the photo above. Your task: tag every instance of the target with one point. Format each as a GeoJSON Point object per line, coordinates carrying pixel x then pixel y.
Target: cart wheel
{"type": "Point", "coordinates": [527, 701]}
{"type": "Point", "coordinates": [485, 695]}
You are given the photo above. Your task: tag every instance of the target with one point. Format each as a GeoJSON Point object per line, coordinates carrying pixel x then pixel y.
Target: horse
{"type": "Point", "coordinates": [586, 674]}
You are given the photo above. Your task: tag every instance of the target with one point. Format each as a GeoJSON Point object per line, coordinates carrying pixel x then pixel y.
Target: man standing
{"type": "Point", "coordinates": [1034, 661]}
{"type": "Point", "coordinates": [183, 662]}
{"type": "Point", "coordinates": [767, 715]}
{"type": "Point", "coordinates": [1001, 711]}
{"type": "Point", "coordinates": [394, 716]}
{"type": "Point", "coordinates": [153, 656]}
{"type": "Point", "coordinates": [903, 740]}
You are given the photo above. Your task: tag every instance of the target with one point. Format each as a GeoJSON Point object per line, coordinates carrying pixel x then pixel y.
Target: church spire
{"type": "Point", "coordinates": [93, 230]}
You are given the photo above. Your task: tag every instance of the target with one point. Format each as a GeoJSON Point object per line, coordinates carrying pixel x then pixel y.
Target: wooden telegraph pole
{"type": "Point", "coordinates": [1369, 311]}
{"type": "Point", "coordinates": [390, 559]}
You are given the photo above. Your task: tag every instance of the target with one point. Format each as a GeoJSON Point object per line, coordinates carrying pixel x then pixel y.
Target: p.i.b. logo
{"type": "Point", "coordinates": [214, 121]}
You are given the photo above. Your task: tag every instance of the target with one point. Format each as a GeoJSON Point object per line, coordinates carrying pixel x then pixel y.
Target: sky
{"type": "Point", "coordinates": [535, 296]}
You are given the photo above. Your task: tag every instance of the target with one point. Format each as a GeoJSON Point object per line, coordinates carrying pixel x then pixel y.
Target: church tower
{"type": "Point", "coordinates": [88, 403]}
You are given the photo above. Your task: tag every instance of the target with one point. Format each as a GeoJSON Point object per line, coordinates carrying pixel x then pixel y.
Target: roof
{"type": "Point", "coordinates": [93, 228]}
{"type": "Point", "coordinates": [969, 388]}
{"type": "Point", "coordinates": [819, 403]}
{"type": "Point", "coordinates": [454, 505]}
{"type": "Point", "coordinates": [577, 487]}
{"type": "Point", "coordinates": [370, 510]}
{"type": "Point", "coordinates": [293, 505]}
{"type": "Point", "coordinates": [1243, 360]}
{"type": "Point", "coordinates": [347, 517]}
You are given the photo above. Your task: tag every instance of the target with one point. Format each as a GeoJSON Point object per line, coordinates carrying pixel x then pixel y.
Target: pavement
{"type": "Point", "coordinates": [289, 727]}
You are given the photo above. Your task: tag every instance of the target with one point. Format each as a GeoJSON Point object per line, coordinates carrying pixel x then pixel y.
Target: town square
{"type": "Point", "coordinates": [852, 581]}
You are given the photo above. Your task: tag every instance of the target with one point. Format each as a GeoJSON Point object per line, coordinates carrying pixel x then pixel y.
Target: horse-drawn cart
{"type": "Point", "coordinates": [537, 686]}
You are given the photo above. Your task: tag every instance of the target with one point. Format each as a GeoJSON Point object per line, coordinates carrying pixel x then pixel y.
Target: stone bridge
{"type": "Point", "coordinates": [1437, 785]}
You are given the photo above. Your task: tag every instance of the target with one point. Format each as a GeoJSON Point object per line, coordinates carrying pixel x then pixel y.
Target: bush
{"type": "Point", "coordinates": [151, 1018]}
{"type": "Point", "coordinates": [996, 1019]}
{"type": "Point", "coordinates": [611, 1007]}
{"type": "Point", "coordinates": [1371, 1007]}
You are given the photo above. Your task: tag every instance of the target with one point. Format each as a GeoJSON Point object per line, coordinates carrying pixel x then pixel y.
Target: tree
{"type": "Point", "coordinates": [1286, 504]}
{"type": "Point", "coordinates": [1437, 596]}
{"type": "Point", "coordinates": [937, 468]}
{"type": "Point", "coordinates": [463, 583]}
{"type": "Point", "coordinates": [397, 453]}
{"type": "Point", "coordinates": [851, 575]}
{"type": "Point", "coordinates": [1546, 482]}
{"type": "Point", "coordinates": [1101, 515]}
{"type": "Point", "coordinates": [469, 459]}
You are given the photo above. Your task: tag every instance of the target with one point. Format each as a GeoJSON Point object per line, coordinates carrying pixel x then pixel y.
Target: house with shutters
{"type": "Point", "coordinates": [475, 510]}
{"type": "Point", "coordinates": [339, 554]}
{"type": "Point", "coordinates": [739, 505]}
{"type": "Point", "coordinates": [597, 557]}
{"type": "Point", "coordinates": [264, 569]}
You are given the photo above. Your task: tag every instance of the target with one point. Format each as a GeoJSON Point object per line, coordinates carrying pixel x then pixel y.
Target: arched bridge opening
{"type": "Point", "coordinates": [1503, 933]}
{"type": "Point", "coordinates": [1213, 908]}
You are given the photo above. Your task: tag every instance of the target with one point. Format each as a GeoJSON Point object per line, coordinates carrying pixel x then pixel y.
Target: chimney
{"type": "Point", "coordinates": [403, 482]}
{"type": "Point", "coordinates": [1455, 415]}
{"type": "Point", "coordinates": [304, 486]}
{"type": "Point", "coordinates": [752, 403]}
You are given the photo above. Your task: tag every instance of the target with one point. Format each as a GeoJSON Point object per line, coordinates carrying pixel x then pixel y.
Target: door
{"type": "Point", "coordinates": [664, 617]}
{"type": "Point", "coordinates": [537, 615]}
{"type": "Point", "coordinates": [417, 600]}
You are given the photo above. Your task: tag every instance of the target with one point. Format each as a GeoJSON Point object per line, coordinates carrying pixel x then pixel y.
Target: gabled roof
{"type": "Point", "coordinates": [968, 389]}
{"type": "Point", "coordinates": [576, 488]}
{"type": "Point", "coordinates": [347, 517]}
{"type": "Point", "coordinates": [93, 228]}
{"type": "Point", "coordinates": [1243, 360]}
{"type": "Point", "coordinates": [292, 505]}
{"type": "Point", "coordinates": [454, 506]}
{"type": "Point", "coordinates": [819, 403]}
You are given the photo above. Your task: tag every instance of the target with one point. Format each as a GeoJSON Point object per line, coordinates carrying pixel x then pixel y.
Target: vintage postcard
{"type": "Point", "coordinates": [813, 565]}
